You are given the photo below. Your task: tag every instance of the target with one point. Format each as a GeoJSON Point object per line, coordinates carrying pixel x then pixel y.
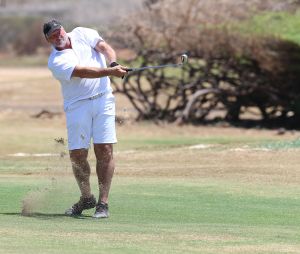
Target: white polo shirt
{"type": "Point", "coordinates": [62, 63]}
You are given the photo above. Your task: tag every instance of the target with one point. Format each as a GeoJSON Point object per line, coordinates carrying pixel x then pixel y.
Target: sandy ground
{"type": "Point", "coordinates": [25, 92]}
{"type": "Point", "coordinates": [28, 91]}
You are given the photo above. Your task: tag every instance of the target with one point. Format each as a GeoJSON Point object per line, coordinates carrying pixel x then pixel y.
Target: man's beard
{"type": "Point", "coordinates": [62, 42]}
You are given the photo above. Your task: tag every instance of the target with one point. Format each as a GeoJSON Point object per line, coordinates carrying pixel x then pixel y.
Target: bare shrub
{"type": "Point", "coordinates": [22, 35]}
{"type": "Point", "coordinates": [236, 72]}
{"type": "Point", "coordinates": [29, 39]}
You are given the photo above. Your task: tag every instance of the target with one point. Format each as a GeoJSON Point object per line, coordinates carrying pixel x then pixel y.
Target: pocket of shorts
{"type": "Point", "coordinates": [73, 106]}
{"type": "Point", "coordinates": [109, 108]}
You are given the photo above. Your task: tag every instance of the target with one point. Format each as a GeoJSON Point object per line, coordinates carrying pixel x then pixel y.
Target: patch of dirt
{"type": "Point", "coordinates": [28, 90]}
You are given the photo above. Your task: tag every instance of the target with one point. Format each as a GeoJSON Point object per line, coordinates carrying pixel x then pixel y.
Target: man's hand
{"type": "Point", "coordinates": [118, 71]}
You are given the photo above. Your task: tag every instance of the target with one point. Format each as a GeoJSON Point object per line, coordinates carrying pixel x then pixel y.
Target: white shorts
{"type": "Point", "coordinates": [91, 119]}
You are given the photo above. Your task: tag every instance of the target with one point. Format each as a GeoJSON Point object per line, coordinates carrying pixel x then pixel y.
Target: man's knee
{"type": "Point", "coordinates": [103, 152]}
{"type": "Point", "coordinates": [78, 155]}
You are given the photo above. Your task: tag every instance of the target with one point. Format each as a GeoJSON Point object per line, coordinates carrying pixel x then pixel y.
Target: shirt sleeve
{"type": "Point", "coordinates": [63, 66]}
{"type": "Point", "coordinates": [91, 36]}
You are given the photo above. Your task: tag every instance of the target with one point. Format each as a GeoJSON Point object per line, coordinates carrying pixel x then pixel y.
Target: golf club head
{"type": "Point", "coordinates": [184, 58]}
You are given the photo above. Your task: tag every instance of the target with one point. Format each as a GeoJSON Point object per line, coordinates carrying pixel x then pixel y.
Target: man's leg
{"type": "Point", "coordinates": [104, 136]}
{"type": "Point", "coordinates": [105, 169]}
{"type": "Point", "coordinates": [81, 170]}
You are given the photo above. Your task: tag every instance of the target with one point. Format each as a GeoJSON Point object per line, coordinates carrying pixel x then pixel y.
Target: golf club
{"type": "Point", "coordinates": [184, 59]}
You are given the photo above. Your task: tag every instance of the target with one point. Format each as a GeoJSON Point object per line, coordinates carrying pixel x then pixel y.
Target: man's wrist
{"type": "Point", "coordinates": [113, 64]}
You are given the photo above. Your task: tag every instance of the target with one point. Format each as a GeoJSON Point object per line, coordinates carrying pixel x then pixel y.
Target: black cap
{"type": "Point", "coordinates": [51, 26]}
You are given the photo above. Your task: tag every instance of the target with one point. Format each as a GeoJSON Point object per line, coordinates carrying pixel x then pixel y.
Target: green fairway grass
{"type": "Point", "coordinates": [165, 198]}
{"type": "Point", "coordinates": [279, 145]}
{"type": "Point", "coordinates": [153, 216]}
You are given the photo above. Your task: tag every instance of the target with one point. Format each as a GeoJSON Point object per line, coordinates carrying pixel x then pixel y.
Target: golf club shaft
{"type": "Point", "coordinates": [184, 59]}
{"type": "Point", "coordinates": [154, 67]}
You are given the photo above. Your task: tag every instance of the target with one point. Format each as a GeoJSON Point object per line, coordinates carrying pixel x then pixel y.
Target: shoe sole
{"type": "Point", "coordinates": [100, 216]}
{"type": "Point", "coordinates": [78, 214]}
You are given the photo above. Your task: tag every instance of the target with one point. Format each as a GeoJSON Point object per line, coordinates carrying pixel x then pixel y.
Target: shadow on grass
{"type": "Point", "coordinates": [46, 216]}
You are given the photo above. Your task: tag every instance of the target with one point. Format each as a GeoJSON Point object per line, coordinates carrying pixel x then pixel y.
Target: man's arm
{"type": "Point", "coordinates": [95, 72]}
{"type": "Point", "coordinates": [105, 49]}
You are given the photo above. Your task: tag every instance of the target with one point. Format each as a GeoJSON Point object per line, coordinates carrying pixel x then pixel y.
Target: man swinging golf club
{"type": "Point", "coordinates": [78, 60]}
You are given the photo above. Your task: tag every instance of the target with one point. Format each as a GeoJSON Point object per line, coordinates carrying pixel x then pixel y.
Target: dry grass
{"type": "Point", "coordinates": [26, 91]}
{"type": "Point", "coordinates": [275, 167]}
